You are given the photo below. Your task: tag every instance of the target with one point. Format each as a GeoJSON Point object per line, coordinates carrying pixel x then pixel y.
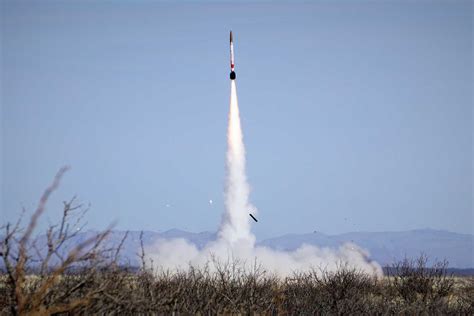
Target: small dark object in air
{"type": "Point", "coordinates": [253, 218]}
{"type": "Point", "coordinates": [232, 75]}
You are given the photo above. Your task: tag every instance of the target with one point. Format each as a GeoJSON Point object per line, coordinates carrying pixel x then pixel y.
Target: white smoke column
{"type": "Point", "coordinates": [235, 225]}
{"type": "Point", "coordinates": [235, 240]}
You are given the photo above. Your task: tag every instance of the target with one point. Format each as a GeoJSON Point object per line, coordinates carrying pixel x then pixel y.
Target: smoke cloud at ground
{"type": "Point", "coordinates": [235, 240]}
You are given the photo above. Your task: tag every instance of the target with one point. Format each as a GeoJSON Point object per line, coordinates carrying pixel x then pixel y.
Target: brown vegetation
{"type": "Point", "coordinates": [88, 280]}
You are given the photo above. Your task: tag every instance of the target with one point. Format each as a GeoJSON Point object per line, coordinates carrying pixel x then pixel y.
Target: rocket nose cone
{"type": "Point", "coordinates": [231, 37]}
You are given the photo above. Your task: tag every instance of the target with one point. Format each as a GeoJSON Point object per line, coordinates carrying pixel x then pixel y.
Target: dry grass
{"type": "Point", "coordinates": [226, 291]}
{"type": "Point", "coordinates": [88, 280]}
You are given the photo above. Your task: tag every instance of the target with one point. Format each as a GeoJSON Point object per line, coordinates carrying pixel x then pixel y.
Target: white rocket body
{"type": "Point", "coordinates": [232, 64]}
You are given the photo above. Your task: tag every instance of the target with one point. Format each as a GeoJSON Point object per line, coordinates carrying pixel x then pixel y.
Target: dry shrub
{"type": "Point", "coordinates": [414, 281]}
{"type": "Point", "coordinates": [345, 290]}
{"type": "Point", "coordinates": [88, 280]}
{"type": "Point", "coordinates": [32, 274]}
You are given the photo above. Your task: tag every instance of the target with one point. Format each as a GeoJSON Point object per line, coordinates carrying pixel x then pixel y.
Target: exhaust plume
{"type": "Point", "coordinates": [235, 240]}
{"type": "Point", "coordinates": [235, 223]}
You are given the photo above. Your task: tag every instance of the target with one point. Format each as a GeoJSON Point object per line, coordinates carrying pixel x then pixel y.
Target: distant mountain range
{"type": "Point", "coordinates": [384, 247]}
{"type": "Point", "coordinates": [389, 247]}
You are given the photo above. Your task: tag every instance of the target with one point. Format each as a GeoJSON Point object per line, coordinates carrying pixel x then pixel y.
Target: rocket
{"type": "Point", "coordinates": [232, 72]}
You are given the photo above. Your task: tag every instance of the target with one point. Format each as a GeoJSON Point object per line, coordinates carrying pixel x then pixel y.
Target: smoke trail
{"type": "Point", "coordinates": [236, 241]}
{"type": "Point", "coordinates": [235, 224]}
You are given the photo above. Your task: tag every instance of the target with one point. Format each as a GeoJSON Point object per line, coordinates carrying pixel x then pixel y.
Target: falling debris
{"type": "Point", "coordinates": [253, 218]}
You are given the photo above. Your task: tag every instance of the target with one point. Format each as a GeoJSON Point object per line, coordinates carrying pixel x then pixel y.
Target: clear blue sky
{"type": "Point", "coordinates": [357, 115]}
